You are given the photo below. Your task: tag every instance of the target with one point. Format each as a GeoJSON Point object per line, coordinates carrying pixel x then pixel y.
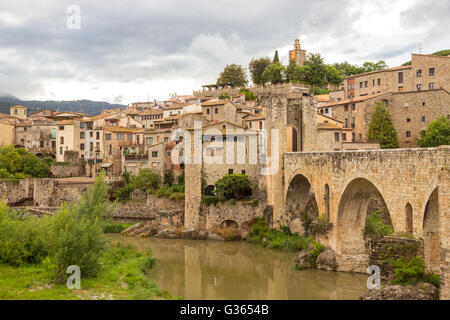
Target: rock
{"type": "Point", "coordinates": [304, 258]}
{"type": "Point", "coordinates": [138, 195]}
{"type": "Point", "coordinates": [203, 235]}
{"type": "Point", "coordinates": [132, 229]}
{"type": "Point", "coordinates": [327, 260]}
{"type": "Point", "coordinates": [422, 291]}
{"type": "Point", "coordinates": [188, 235]}
{"type": "Point", "coordinates": [167, 234]}
{"type": "Point", "coordinates": [296, 226]}
{"type": "Point", "coordinates": [215, 237]}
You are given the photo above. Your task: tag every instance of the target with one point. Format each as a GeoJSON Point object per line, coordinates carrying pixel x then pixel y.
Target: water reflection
{"type": "Point", "coordinates": [238, 270]}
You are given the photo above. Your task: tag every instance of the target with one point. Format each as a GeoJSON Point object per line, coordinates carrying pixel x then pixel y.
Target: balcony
{"type": "Point", "coordinates": [136, 157]}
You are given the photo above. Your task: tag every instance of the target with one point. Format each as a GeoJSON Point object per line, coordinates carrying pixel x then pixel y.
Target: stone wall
{"type": "Point", "coordinates": [15, 192]}
{"type": "Point", "coordinates": [52, 193]}
{"type": "Point", "coordinates": [136, 213]}
{"type": "Point", "coordinates": [67, 170]}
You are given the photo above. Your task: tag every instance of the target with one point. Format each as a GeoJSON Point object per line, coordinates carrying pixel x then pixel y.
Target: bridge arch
{"type": "Point", "coordinates": [229, 224]}
{"type": "Point", "coordinates": [431, 239]}
{"type": "Point", "coordinates": [354, 204]}
{"type": "Point", "coordinates": [300, 199]}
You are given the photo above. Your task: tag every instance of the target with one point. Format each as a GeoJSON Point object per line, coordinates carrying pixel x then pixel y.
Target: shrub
{"type": "Point", "coordinates": [436, 134]}
{"type": "Point", "coordinates": [321, 225]}
{"type": "Point", "coordinates": [209, 200]}
{"type": "Point", "coordinates": [224, 95]}
{"type": "Point", "coordinates": [146, 180]}
{"type": "Point", "coordinates": [181, 179]}
{"type": "Point", "coordinates": [412, 271]}
{"type": "Point", "coordinates": [176, 196]}
{"type": "Point", "coordinates": [375, 227]}
{"type": "Point", "coordinates": [234, 186]}
{"type": "Point", "coordinates": [169, 178]}
{"type": "Point", "coordinates": [114, 227]}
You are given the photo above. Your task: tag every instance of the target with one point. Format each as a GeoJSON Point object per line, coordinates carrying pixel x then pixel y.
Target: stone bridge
{"type": "Point", "coordinates": [413, 185]}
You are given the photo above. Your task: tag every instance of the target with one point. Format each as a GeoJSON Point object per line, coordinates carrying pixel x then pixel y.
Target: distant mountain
{"type": "Point", "coordinates": [84, 106]}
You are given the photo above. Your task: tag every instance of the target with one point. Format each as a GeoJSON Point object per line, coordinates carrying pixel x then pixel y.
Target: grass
{"type": "Point", "coordinates": [122, 276]}
{"type": "Point", "coordinates": [116, 227]}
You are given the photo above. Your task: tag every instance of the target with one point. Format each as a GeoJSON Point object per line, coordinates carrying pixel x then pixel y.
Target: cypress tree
{"type": "Point", "coordinates": [276, 59]}
{"type": "Point", "coordinates": [381, 128]}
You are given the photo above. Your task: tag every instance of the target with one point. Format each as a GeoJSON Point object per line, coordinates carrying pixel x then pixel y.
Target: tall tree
{"type": "Point", "coordinates": [274, 73]}
{"type": "Point", "coordinates": [233, 75]}
{"type": "Point", "coordinates": [369, 66]}
{"type": "Point", "coordinates": [381, 128]}
{"type": "Point", "coordinates": [333, 75]}
{"type": "Point", "coordinates": [437, 134]}
{"type": "Point", "coordinates": [275, 58]}
{"type": "Point", "coordinates": [257, 67]}
{"type": "Point", "coordinates": [315, 70]}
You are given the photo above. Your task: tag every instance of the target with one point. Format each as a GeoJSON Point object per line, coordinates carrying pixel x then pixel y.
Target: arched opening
{"type": "Point", "coordinates": [431, 243]}
{"type": "Point", "coordinates": [326, 199]}
{"type": "Point", "coordinates": [209, 191]}
{"type": "Point", "coordinates": [359, 199]}
{"type": "Point", "coordinates": [229, 224]}
{"type": "Point", "coordinates": [409, 219]}
{"type": "Point", "coordinates": [300, 200]}
{"type": "Point", "coordinates": [292, 139]}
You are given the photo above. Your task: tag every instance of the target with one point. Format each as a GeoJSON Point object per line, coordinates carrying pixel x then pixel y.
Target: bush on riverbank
{"type": "Point", "coordinates": [283, 240]}
{"type": "Point", "coordinates": [375, 228]}
{"type": "Point", "coordinates": [115, 227]}
{"type": "Point", "coordinates": [412, 271]}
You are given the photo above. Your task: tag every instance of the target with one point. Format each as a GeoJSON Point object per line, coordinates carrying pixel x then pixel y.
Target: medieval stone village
{"type": "Point", "coordinates": [286, 180]}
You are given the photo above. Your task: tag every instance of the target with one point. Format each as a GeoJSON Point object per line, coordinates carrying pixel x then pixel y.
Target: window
{"type": "Point", "coordinates": [379, 82]}
{"type": "Point", "coordinates": [353, 137]}
{"type": "Point", "coordinates": [353, 122]}
{"type": "Point", "coordinates": [423, 104]}
{"type": "Point", "coordinates": [25, 129]}
{"type": "Point", "coordinates": [260, 125]}
{"type": "Point", "coordinates": [60, 150]}
{"type": "Point", "coordinates": [53, 144]}
{"type": "Point", "coordinates": [81, 135]}
{"type": "Point", "coordinates": [373, 83]}
{"type": "Point", "coordinates": [423, 118]}
{"type": "Point", "coordinates": [346, 107]}
{"type": "Point", "coordinates": [408, 120]}
{"type": "Point", "coordinates": [169, 153]}
{"type": "Point", "coordinates": [61, 128]}
{"type": "Point", "coordinates": [91, 146]}
{"type": "Point", "coordinates": [431, 71]}
{"type": "Point", "coordinates": [360, 84]}
{"type": "Point", "coordinates": [110, 149]}
{"type": "Point", "coordinates": [353, 107]}
{"type": "Point", "coordinates": [61, 140]}
{"type": "Point", "coordinates": [419, 73]}
{"type": "Point", "coordinates": [150, 141]}
{"type": "Point", "coordinates": [400, 77]}
{"type": "Point", "coordinates": [91, 134]}
{"type": "Point", "coordinates": [360, 137]}
{"type": "Point", "coordinates": [97, 145]}
{"type": "Point", "coordinates": [408, 134]}
{"type": "Point", "coordinates": [366, 84]}
{"type": "Point", "coordinates": [129, 136]}
{"type": "Point", "coordinates": [108, 136]}
{"type": "Point", "coordinates": [400, 89]}
{"type": "Point", "coordinates": [207, 111]}
{"type": "Point", "coordinates": [336, 137]}
{"type": "Point", "coordinates": [41, 144]}
{"type": "Point", "coordinates": [82, 146]}
{"type": "Point", "coordinates": [216, 110]}
{"type": "Point", "coordinates": [81, 125]}
{"type": "Point", "coordinates": [15, 111]}
{"type": "Point", "coordinates": [119, 136]}
{"type": "Point", "coordinates": [431, 86]}
{"type": "Point", "coordinates": [97, 135]}
{"type": "Point", "coordinates": [166, 139]}
{"type": "Point", "coordinates": [154, 154]}
{"type": "Point", "coordinates": [419, 87]}
{"type": "Point", "coordinates": [346, 123]}
{"type": "Point", "coordinates": [230, 171]}
{"type": "Point", "coordinates": [344, 137]}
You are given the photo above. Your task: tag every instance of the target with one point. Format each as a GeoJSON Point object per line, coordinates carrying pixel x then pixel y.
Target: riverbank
{"type": "Point", "coordinates": [123, 275]}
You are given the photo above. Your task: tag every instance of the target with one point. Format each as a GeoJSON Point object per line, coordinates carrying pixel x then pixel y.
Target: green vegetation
{"type": "Point", "coordinates": [209, 200]}
{"type": "Point", "coordinates": [234, 186]}
{"type": "Point", "coordinates": [257, 67]}
{"type": "Point", "coordinates": [321, 225]}
{"type": "Point", "coordinates": [249, 96]}
{"type": "Point", "coordinates": [41, 249]}
{"type": "Point", "coordinates": [274, 73]}
{"type": "Point", "coordinates": [347, 69]}
{"type": "Point", "coordinates": [147, 180]}
{"type": "Point", "coordinates": [17, 163]}
{"type": "Point", "coordinates": [115, 227]}
{"type": "Point", "coordinates": [411, 271]}
{"type": "Point", "coordinates": [261, 234]}
{"type": "Point", "coordinates": [276, 59]}
{"type": "Point", "coordinates": [381, 128]}
{"type": "Point", "coordinates": [437, 134]}
{"type": "Point", "coordinates": [167, 191]}
{"type": "Point", "coordinates": [233, 75]}
{"type": "Point", "coordinates": [224, 95]}
{"type": "Point", "coordinates": [375, 228]}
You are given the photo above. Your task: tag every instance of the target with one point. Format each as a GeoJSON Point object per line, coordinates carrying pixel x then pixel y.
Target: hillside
{"type": "Point", "coordinates": [84, 106]}
{"type": "Point", "coordinates": [437, 53]}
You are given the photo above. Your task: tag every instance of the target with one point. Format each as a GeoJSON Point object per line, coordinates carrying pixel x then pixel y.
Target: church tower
{"type": "Point", "coordinates": [298, 55]}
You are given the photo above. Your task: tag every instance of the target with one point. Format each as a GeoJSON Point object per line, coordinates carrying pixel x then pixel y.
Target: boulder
{"type": "Point", "coordinates": [296, 226]}
{"type": "Point", "coordinates": [203, 235]}
{"type": "Point", "coordinates": [138, 195]}
{"type": "Point", "coordinates": [327, 260]}
{"type": "Point", "coordinates": [303, 258]}
{"type": "Point", "coordinates": [422, 291]}
{"type": "Point", "coordinates": [188, 235]}
{"type": "Point", "coordinates": [167, 234]}
{"type": "Point", "coordinates": [215, 237]}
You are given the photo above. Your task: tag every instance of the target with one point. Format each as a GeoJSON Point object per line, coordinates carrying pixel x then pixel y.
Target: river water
{"type": "Point", "coordinates": [241, 271]}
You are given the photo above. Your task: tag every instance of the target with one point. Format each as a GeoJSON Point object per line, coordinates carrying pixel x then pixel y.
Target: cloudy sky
{"type": "Point", "coordinates": [135, 50]}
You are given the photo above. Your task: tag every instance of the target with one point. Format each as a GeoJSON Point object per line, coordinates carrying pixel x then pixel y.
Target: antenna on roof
{"type": "Point", "coordinates": [420, 48]}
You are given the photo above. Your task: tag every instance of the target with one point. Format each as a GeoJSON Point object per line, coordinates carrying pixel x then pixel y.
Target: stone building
{"type": "Point", "coordinates": [19, 112]}
{"type": "Point", "coordinates": [426, 72]}
{"type": "Point", "coordinates": [298, 55]}
{"type": "Point", "coordinates": [7, 136]}
{"type": "Point", "coordinates": [67, 138]}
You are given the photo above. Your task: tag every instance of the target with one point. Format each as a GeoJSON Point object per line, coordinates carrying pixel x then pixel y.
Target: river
{"type": "Point", "coordinates": [206, 270]}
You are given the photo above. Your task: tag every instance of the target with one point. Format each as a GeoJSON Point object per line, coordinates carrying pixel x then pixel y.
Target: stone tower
{"type": "Point", "coordinates": [298, 54]}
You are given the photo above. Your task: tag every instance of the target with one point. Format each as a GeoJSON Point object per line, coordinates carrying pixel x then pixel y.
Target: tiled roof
{"type": "Point", "coordinates": [215, 103]}
{"type": "Point", "coordinates": [122, 129]}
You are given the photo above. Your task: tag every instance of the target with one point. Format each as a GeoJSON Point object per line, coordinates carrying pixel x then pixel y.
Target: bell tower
{"type": "Point", "coordinates": [298, 54]}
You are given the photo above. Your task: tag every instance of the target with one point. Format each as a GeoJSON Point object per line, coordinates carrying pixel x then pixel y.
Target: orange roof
{"type": "Point", "coordinates": [215, 103]}
{"type": "Point", "coordinates": [327, 126]}
{"type": "Point", "coordinates": [65, 122]}
{"type": "Point", "coordinates": [122, 129]}
{"type": "Point", "coordinates": [323, 97]}
{"type": "Point", "coordinates": [151, 112]}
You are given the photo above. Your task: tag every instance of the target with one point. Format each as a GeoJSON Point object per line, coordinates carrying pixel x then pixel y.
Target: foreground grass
{"type": "Point", "coordinates": [122, 276]}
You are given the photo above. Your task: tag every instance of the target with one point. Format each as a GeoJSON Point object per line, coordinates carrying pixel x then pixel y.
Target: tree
{"type": "Point", "coordinates": [233, 75]}
{"type": "Point", "coordinates": [275, 58]}
{"type": "Point", "coordinates": [315, 70]}
{"type": "Point", "coordinates": [333, 75]}
{"type": "Point", "coordinates": [437, 134]}
{"type": "Point", "coordinates": [234, 186]}
{"type": "Point", "coordinates": [346, 69]}
{"type": "Point", "coordinates": [20, 163]}
{"type": "Point", "coordinates": [146, 180]}
{"type": "Point", "coordinates": [274, 73]}
{"type": "Point", "coordinates": [257, 67]}
{"type": "Point", "coordinates": [381, 128]}
{"type": "Point", "coordinates": [224, 95]}
{"type": "Point", "coordinates": [249, 96]}
{"type": "Point", "coordinates": [369, 66]}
